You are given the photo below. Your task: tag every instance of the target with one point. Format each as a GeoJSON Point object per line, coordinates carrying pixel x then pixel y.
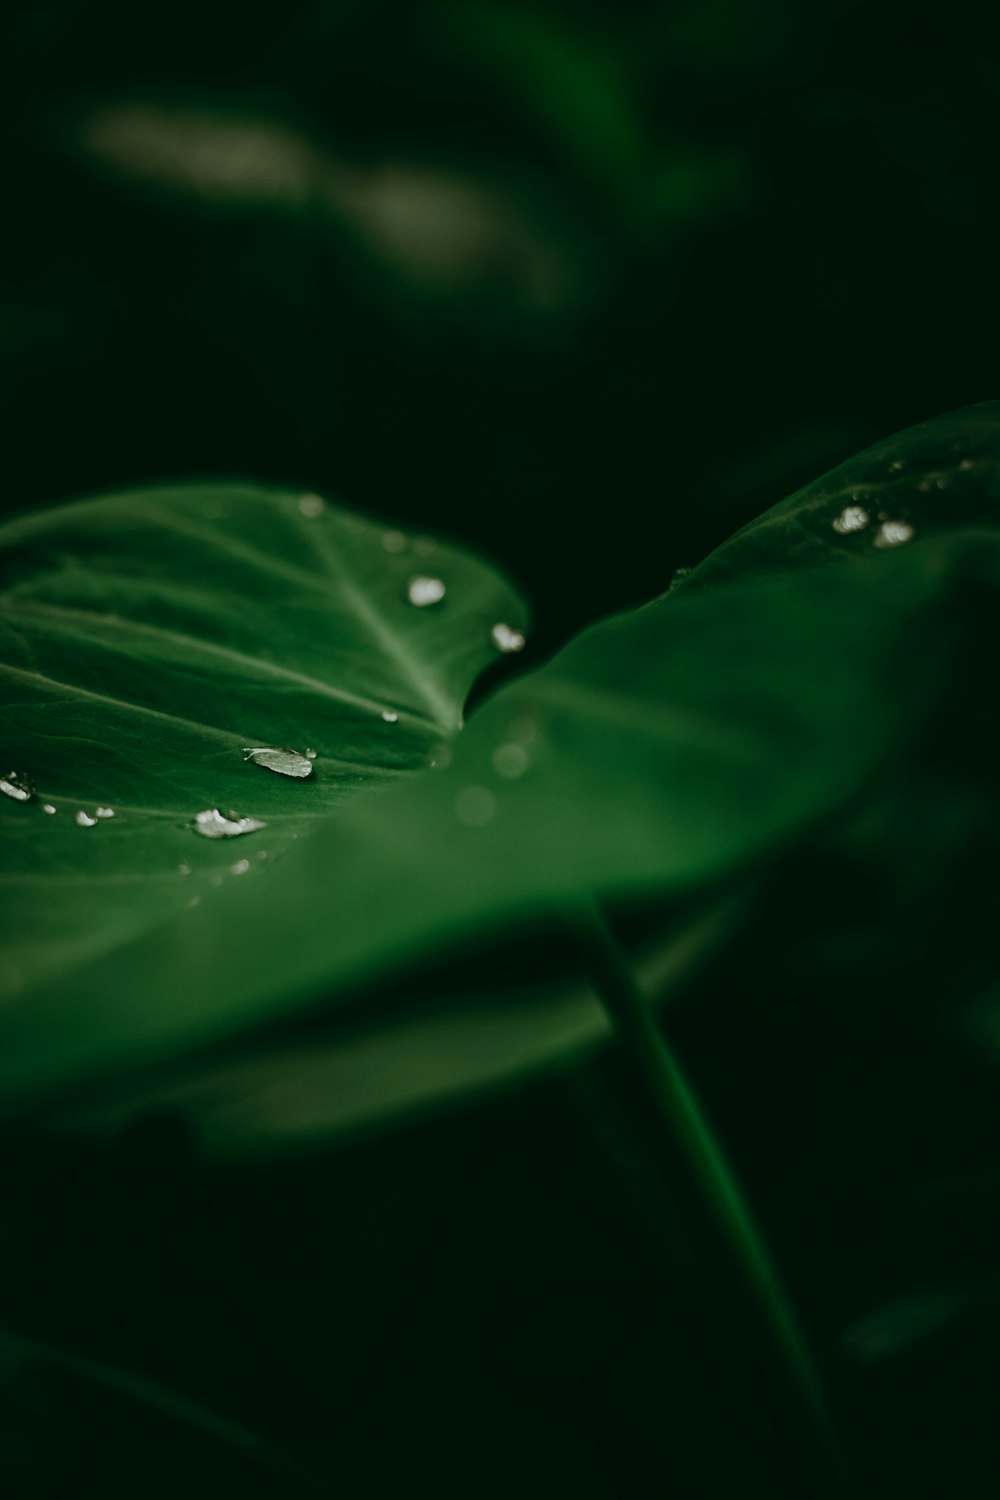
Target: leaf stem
{"type": "Point", "coordinates": [714, 1185]}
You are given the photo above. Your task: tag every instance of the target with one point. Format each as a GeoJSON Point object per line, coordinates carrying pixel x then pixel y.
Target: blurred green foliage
{"type": "Point", "coordinates": [499, 269]}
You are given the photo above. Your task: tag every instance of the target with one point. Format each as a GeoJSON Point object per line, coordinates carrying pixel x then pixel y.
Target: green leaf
{"type": "Point", "coordinates": [377, 1070]}
{"type": "Point", "coordinates": [661, 751]}
{"type": "Point", "coordinates": [932, 480]}
{"type": "Point", "coordinates": [148, 640]}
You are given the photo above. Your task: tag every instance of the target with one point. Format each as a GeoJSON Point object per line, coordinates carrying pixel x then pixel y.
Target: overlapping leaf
{"type": "Point", "coordinates": [660, 751]}
{"type": "Point", "coordinates": [148, 640]}
{"type": "Point", "coordinates": [931, 480]}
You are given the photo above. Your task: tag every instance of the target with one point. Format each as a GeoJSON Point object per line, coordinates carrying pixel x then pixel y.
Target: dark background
{"type": "Point", "coordinates": [585, 286]}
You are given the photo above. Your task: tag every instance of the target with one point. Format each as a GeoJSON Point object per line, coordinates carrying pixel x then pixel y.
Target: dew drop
{"type": "Point", "coordinates": [310, 753]}
{"type": "Point", "coordinates": [47, 807]}
{"type": "Point", "coordinates": [104, 812]}
{"type": "Point", "coordinates": [184, 868]}
{"type": "Point", "coordinates": [277, 758]}
{"type": "Point", "coordinates": [195, 901]}
{"type": "Point", "coordinates": [312, 506]}
{"type": "Point", "coordinates": [212, 824]}
{"type": "Point", "coordinates": [240, 867]}
{"type": "Point", "coordinates": [16, 786]}
{"type": "Point", "coordinates": [896, 465]}
{"type": "Point", "coordinates": [510, 760]}
{"type": "Point", "coordinates": [678, 576]}
{"type": "Point", "coordinates": [475, 806]}
{"type": "Point", "coordinates": [423, 591]}
{"type": "Point", "coordinates": [852, 518]}
{"type": "Point", "coordinates": [893, 534]}
{"type": "Point", "coordinates": [85, 820]}
{"type": "Point", "coordinates": [943, 482]}
{"type": "Point", "coordinates": [390, 716]}
{"type": "Point", "coordinates": [394, 541]}
{"type": "Point", "coordinates": [506, 638]}
{"type": "Point", "coordinates": [967, 463]}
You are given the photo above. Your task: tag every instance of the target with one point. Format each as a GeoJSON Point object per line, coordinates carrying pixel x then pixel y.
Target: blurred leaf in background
{"type": "Point", "coordinates": [496, 269]}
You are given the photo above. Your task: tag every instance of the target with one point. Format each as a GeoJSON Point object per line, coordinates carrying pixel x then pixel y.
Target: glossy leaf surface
{"type": "Point", "coordinates": [149, 641]}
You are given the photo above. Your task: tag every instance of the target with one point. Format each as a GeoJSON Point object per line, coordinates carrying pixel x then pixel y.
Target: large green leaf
{"type": "Point", "coordinates": [661, 751]}
{"type": "Point", "coordinates": [930, 480]}
{"type": "Point", "coordinates": [150, 638]}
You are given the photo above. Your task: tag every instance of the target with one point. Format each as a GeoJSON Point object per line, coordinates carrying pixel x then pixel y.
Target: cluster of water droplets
{"type": "Point", "coordinates": [475, 805]}
{"type": "Point", "coordinates": [85, 819]}
{"type": "Point", "coordinates": [19, 788]}
{"type": "Point", "coordinates": [889, 532]}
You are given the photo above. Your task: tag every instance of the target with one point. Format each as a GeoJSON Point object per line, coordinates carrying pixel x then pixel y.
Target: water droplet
{"type": "Point", "coordinates": [475, 806]}
{"type": "Point", "coordinates": [967, 463]}
{"type": "Point", "coordinates": [212, 824]}
{"type": "Point", "coordinates": [851, 518]}
{"type": "Point", "coordinates": [240, 867]}
{"type": "Point", "coordinates": [505, 638]}
{"type": "Point", "coordinates": [943, 482]}
{"type": "Point", "coordinates": [277, 758]}
{"type": "Point", "coordinates": [184, 868]}
{"type": "Point", "coordinates": [423, 591]}
{"type": "Point", "coordinates": [390, 716]}
{"type": "Point", "coordinates": [104, 812]}
{"type": "Point", "coordinates": [394, 541]}
{"type": "Point", "coordinates": [16, 786]}
{"type": "Point", "coordinates": [441, 757]}
{"type": "Point", "coordinates": [310, 753]}
{"type": "Point", "coordinates": [896, 465]}
{"type": "Point", "coordinates": [893, 534]}
{"type": "Point", "coordinates": [85, 820]}
{"type": "Point", "coordinates": [312, 506]}
{"type": "Point", "coordinates": [678, 576]}
{"type": "Point", "coordinates": [47, 807]}
{"type": "Point", "coordinates": [510, 760]}
{"type": "Point", "coordinates": [195, 901]}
